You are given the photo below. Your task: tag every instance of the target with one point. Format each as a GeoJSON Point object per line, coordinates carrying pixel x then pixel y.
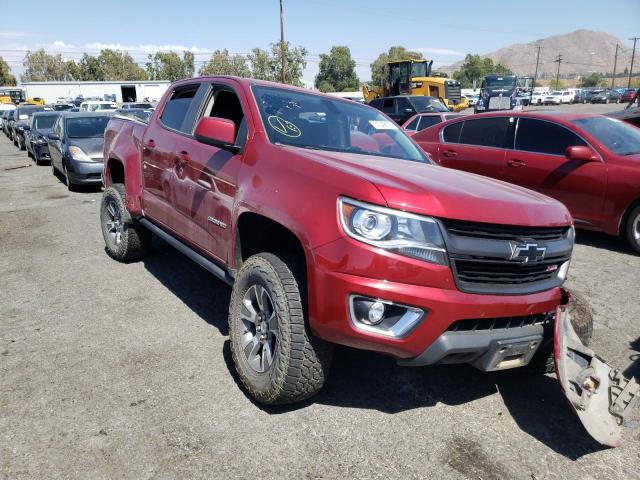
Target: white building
{"type": "Point", "coordinates": [124, 91]}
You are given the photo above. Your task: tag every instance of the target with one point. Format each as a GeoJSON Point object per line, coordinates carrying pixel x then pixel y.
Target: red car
{"type": "Point", "coordinates": [629, 94]}
{"type": "Point", "coordinates": [333, 227]}
{"type": "Point", "coordinates": [421, 121]}
{"type": "Point", "coordinates": [591, 163]}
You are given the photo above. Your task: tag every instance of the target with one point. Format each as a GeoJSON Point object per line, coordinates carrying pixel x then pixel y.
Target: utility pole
{"type": "Point", "coordinates": [558, 60]}
{"type": "Point", "coordinates": [535, 75]}
{"type": "Point", "coordinates": [282, 52]}
{"type": "Point", "coordinates": [633, 54]}
{"type": "Point", "coordinates": [615, 64]}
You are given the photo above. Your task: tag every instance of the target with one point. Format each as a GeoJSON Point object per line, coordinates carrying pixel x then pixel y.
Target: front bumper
{"type": "Point", "coordinates": [40, 151]}
{"type": "Point", "coordinates": [344, 267]}
{"type": "Point", "coordinates": [85, 173]}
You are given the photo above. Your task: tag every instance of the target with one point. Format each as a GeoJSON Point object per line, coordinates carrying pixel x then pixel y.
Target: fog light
{"type": "Point", "coordinates": [376, 312]}
{"type": "Point", "coordinates": [383, 317]}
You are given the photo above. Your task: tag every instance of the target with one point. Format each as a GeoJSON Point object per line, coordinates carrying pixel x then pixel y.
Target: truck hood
{"type": "Point", "coordinates": [445, 193]}
{"type": "Point", "coordinates": [91, 146]}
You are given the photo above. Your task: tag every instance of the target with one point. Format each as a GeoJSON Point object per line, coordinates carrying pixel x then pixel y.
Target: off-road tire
{"type": "Point", "coordinates": [582, 322]}
{"type": "Point", "coordinates": [630, 227]}
{"type": "Point", "coordinates": [135, 239]}
{"type": "Point", "coordinates": [301, 361]}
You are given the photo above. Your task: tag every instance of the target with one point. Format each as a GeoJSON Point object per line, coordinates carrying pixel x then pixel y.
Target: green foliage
{"type": "Point", "coordinates": [6, 79]}
{"type": "Point", "coordinates": [337, 71]}
{"type": "Point", "coordinates": [40, 66]}
{"type": "Point", "coordinates": [593, 80]}
{"type": "Point", "coordinates": [379, 68]}
{"type": "Point", "coordinates": [118, 65]}
{"type": "Point", "coordinates": [266, 65]}
{"type": "Point", "coordinates": [475, 68]}
{"type": "Point", "coordinates": [169, 66]}
{"type": "Point", "coordinates": [557, 84]}
{"type": "Point", "coordinates": [222, 63]}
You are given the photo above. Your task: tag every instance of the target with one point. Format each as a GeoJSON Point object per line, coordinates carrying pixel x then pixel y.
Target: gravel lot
{"type": "Point", "coordinates": [123, 371]}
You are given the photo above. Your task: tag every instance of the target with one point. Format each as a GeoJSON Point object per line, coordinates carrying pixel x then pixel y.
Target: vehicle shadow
{"type": "Point", "coordinates": [633, 370]}
{"type": "Point", "coordinates": [198, 289]}
{"type": "Point", "coordinates": [366, 380]}
{"type": "Point", "coordinates": [601, 240]}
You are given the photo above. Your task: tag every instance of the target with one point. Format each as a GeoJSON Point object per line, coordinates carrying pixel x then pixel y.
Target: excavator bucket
{"type": "Point", "coordinates": [599, 394]}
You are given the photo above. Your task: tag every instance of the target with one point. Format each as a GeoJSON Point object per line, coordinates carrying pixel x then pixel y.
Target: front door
{"type": "Point", "coordinates": [538, 162]}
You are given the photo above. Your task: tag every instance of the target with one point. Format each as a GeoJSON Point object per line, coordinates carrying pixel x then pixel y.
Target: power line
{"type": "Point", "coordinates": [559, 60]}
{"type": "Point", "coordinates": [615, 64]}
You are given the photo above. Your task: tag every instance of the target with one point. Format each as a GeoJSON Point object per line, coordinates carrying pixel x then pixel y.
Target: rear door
{"type": "Point", "coordinates": [478, 145]}
{"type": "Point", "coordinates": [209, 181]}
{"type": "Point", "coordinates": [162, 168]}
{"type": "Point", "coordinates": [538, 162]}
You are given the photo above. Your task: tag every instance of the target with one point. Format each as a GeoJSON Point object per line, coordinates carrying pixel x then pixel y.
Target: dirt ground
{"type": "Point", "coordinates": [123, 371]}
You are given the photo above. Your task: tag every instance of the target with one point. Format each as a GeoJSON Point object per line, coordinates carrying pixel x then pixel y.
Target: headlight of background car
{"type": "Point", "coordinates": [404, 233]}
{"type": "Point", "coordinates": [41, 140]}
{"type": "Point", "coordinates": [78, 155]}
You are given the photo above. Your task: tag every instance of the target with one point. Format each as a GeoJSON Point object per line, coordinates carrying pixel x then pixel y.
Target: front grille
{"type": "Point", "coordinates": [481, 271]}
{"type": "Point", "coordinates": [500, 103]}
{"type": "Point", "coordinates": [453, 92]}
{"type": "Point", "coordinates": [476, 324]}
{"type": "Point", "coordinates": [482, 260]}
{"type": "Point", "coordinates": [504, 232]}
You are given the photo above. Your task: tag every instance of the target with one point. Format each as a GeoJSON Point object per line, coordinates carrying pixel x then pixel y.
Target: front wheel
{"type": "Point", "coordinates": [632, 229]}
{"type": "Point", "coordinates": [277, 358]}
{"type": "Point", "coordinates": [125, 239]}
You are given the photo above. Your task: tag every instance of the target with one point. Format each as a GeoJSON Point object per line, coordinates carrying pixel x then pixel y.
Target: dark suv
{"type": "Point", "coordinates": [22, 120]}
{"type": "Point", "coordinates": [403, 107]}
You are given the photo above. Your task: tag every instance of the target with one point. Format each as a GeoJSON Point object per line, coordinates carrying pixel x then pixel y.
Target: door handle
{"type": "Point", "coordinates": [515, 163]}
{"type": "Point", "coordinates": [449, 153]}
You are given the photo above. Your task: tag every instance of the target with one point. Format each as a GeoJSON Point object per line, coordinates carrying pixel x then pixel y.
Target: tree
{"type": "Point", "coordinates": [593, 80]}
{"type": "Point", "coordinates": [169, 66]}
{"type": "Point", "coordinates": [223, 63]}
{"type": "Point", "coordinates": [379, 67]}
{"type": "Point", "coordinates": [337, 71]}
{"type": "Point", "coordinates": [557, 84]}
{"type": "Point", "coordinates": [475, 68]}
{"type": "Point", "coordinates": [6, 79]}
{"type": "Point", "coordinates": [117, 65]}
{"type": "Point", "coordinates": [40, 66]}
{"type": "Point", "coordinates": [266, 66]}
{"type": "Point", "coordinates": [90, 69]}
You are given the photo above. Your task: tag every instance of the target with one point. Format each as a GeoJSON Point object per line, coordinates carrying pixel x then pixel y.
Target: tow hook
{"type": "Point", "coordinates": [601, 396]}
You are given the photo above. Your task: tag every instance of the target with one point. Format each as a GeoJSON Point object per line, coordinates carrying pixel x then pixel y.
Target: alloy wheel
{"type": "Point", "coordinates": [635, 229]}
{"type": "Point", "coordinates": [260, 322]}
{"type": "Point", "coordinates": [115, 226]}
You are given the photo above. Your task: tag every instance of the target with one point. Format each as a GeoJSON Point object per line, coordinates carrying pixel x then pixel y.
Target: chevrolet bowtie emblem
{"type": "Point", "coordinates": [527, 253]}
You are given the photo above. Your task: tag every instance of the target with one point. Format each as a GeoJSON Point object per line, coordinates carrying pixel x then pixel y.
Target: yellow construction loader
{"type": "Point", "coordinates": [414, 77]}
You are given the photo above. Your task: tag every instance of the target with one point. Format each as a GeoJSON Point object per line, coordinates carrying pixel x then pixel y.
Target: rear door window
{"type": "Point", "coordinates": [413, 124]}
{"type": "Point", "coordinates": [428, 122]}
{"type": "Point", "coordinates": [541, 136]}
{"type": "Point", "coordinates": [388, 106]}
{"type": "Point", "coordinates": [486, 132]}
{"type": "Point", "coordinates": [451, 133]}
{"type": "Point", "coordinates": [176, 109]}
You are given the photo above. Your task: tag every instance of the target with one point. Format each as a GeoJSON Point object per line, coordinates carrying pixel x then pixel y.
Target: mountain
{"type": "Point", "coordinates": [583, 51]}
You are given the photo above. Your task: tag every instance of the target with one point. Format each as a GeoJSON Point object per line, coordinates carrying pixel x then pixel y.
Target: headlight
{"type": "Point", "coordinates": [41, 140]}
{"type": "Point", "coordinates": [78, 155]}
{"type": "Point", "coordinates": [400, 232]}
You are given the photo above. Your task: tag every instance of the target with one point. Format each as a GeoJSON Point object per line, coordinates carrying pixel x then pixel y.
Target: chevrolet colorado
{"type": "Point", "coordinates": [332, 226]}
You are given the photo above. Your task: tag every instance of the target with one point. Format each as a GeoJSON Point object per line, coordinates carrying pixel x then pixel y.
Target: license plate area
{"type": "Point", "coordinates": [511, 353]}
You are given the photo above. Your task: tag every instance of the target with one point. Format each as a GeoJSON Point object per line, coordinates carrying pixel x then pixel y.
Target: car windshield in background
{"type": "Point", "coordinates": [140, 105]}
{"type": "Point", "coordinates": [427, 104]}
{"type": "Point", "coordinates": [619, 137]}
{"type": "Point", "coordinates": [61, 106]}
{"type": "Point", "coordinates": [498, 82]}
{"type": "Point", "coordinates": [323, 123]}
{"type": "Point", "coordinates": [87, 127]}
{"type": "Point", "coordinates": [45, 121]}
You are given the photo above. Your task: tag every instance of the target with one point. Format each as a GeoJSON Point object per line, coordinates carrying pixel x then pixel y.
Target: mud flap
{"type": "Point", "coordinates": [600, 395]}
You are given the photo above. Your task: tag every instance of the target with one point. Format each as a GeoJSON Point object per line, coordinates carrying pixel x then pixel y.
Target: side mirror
{"type": "Point", "coordinates": [580, 153]}
{"type": "Point", "coordinates": [217, 132]}
{"type": "Point", "coordinates": [53, 136]}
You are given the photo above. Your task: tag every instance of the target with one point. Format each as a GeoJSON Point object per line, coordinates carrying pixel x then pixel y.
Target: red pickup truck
{"type": "Point", "coordinates": [333, 226]}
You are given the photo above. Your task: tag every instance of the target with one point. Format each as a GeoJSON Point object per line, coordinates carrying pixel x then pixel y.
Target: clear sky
{"type": "Point", "coordinates": [444, 31]}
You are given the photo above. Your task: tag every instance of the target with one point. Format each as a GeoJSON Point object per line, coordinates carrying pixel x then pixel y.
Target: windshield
{"type": "Point", "coordinates": [619, 137]}
{"type": "Point", "coordinates": [44, 121]}
{"type": "Point", "coordinates": [86, 127]}
{"type": "Point", "coordinates": [61, 106]}
{"type": "Point", "coordinates": [419, 69]}
{"type": "Point", "coordinates": [500, 82]}
{"type": "Point", "coordinates": [427, 104]}
{"type": "Point", "coordinates": [323, 123]}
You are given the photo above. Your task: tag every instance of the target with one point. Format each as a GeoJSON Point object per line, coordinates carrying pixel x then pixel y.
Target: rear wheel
{"type": "Point", "coordinates": [277, 358]}
{"type": "Point", "coordinates": [125, 239]}
{"type": "Point", "coordinates": [632, 229]}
